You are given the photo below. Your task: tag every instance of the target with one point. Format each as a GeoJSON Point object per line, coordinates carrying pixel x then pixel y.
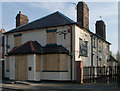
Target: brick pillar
{"type": "Point", "coordinates": [81, 67]}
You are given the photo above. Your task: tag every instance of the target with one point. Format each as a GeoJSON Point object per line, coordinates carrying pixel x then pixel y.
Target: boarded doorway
{"type": "Point", "coordinates": [21, 68]}
{"type": "Point", "coordinates": [79, 72]}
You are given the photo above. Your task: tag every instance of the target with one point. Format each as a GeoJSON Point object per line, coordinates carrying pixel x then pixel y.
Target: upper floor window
{"type": "Point", "coordinates": [51, 36]}
{"type": "Point", "coordinates": [94, 43]}
{"type": "Point", "coordinates": [107, 49]}
{"type": "Point", "coordinates": [100, 46]}
{"type": "Point", "coordinates": [99, 63]}
{"type": "Point", "coordinates": [17, 39]}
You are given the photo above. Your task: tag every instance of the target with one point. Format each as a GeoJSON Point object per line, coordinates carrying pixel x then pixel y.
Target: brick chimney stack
{"type": "Point", "coordinates": [21, 19]}
{"type": "Point", "coordinates": [101, 29]}
{"type": "Point", "coordinates": [3, 31]}
{"type": "Point", "coordinates": [83, 14]}
{"type": "Point", "coordinates": [2, 43]}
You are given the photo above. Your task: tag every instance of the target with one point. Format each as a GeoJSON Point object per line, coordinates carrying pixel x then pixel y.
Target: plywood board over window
{"type": "Point", "coordinates": [63, 62]}
{"type": "Point", "coordinates": [55, 62]}
{"type": "Point", "coordinates": [37, 63]}
{"type": "Point", "coordinates": [100, 46]}
{"type": "Point", "coordinates": [51, 37]}
{"type": "Point", "coordinates": [17, 39]}
{"type": "Point", "coordinates": [51, 62]}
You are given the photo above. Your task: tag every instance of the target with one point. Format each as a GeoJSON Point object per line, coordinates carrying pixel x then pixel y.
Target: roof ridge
{"type": "Point", "coordinates": [65, 16]}
{"type": "Point", "coordinates": [19, 46]}
{"type": "Point", "coordinates": [30, 22]}
{"type": "Point", "coordinates": [31, 45]}
{"type": "Point", "coordinates": [57, 12]}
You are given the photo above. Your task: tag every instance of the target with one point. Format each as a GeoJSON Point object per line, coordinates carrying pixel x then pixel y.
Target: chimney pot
{"type": "Point", "coordinates": [19, 12]}
{"type": "Point", "coordinates": [21, 19]}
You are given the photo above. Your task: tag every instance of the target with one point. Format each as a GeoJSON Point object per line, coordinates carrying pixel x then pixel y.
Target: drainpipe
{"type": "Point", "coordinates": [97, 56]}
{"type": "Point", "coordinates": [71, 50]}
{"type": "Point", "coordinates": [91, 51]}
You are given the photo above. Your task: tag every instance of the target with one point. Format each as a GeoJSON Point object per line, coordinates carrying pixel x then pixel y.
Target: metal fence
{"type": "Point", "coordinates": [101, 74]}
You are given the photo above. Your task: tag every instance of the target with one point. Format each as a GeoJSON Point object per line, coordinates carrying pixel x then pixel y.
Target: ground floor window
{"type": "Point", "coordinates": [55, 62]}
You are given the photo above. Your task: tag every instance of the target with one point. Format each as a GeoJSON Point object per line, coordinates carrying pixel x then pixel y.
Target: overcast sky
{"type": "Point", "coordinates": [108, 11]}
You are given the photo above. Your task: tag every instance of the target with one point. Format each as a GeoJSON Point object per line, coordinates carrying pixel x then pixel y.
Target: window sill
{"type": "Point", "coordinates": [55, 71]}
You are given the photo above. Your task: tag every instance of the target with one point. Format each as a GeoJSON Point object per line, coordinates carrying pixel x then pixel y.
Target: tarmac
{"type": "Point", "coordinates": [57, 86]}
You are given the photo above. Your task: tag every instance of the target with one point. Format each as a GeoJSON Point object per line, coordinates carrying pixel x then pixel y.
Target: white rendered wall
{"type": "Point", "coordinates": [31, 63]}
{"type": "Point", "coordinates": [85, 36]}
{"type": "Point", "coordinates": [12, 68]}
{"type": "Point", "coordinates": [103, 54]}
{"type": "Point", "coordinates": [39, 35]}
{"type": "Point", "coordinates": [33, 75]}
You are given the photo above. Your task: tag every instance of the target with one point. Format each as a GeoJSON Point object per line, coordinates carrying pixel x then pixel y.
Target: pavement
{"type": "Point", "coordinates": [57, 86]}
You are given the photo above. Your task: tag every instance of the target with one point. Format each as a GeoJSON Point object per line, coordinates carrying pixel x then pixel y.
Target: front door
{"type": "Point", "coordinates": [21, 65]}
{"type": "Point", "coordinates": [79, 71]}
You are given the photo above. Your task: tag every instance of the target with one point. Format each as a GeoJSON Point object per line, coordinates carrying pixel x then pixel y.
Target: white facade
{"type": "Point", "coordinates": [85, 36]}
{"type": "Point", "coordinates": [102, 54]}
{"type": "Point", "coordinates": [37, 76]}
{"type": "Point", "coordinates": [40, 35]}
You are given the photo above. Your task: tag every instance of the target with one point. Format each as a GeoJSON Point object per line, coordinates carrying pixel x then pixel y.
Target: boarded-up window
{"type": "Point", "coordinates": [51, 36]}
{"type": "Point", "coordinates": [63, 62]}
{"type": "Point", "coordinates": [55, 62]}
{"type": "Point", "coordinates": [37, 62]}
{"type": "Point", "coordinates": [107, 49]}
{"type": "Point", "coordinates": [94, 46]}
{"type": "Point", "coordinates": [100, 46]}
{"type": "Point", "coordinates": [51, 62]}
{"type": "Point", "coordinates": [99, 64]}
{"type": "Point", "coordinates": [17, 40]}
{"type": "Point", "coordinates": [7, 64]}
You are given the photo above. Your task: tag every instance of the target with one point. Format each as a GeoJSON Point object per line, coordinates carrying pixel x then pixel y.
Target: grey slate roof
{"type": "Point", "coordinates": [33, 47]}
{"type": "Point", "coordinates": [52, 20]}
{"type": "Point", "coordinates": [113, 59]}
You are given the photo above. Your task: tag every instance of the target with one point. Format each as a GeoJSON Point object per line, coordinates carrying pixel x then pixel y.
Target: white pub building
{"type": "Point", "coordinates": [54, 47]}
